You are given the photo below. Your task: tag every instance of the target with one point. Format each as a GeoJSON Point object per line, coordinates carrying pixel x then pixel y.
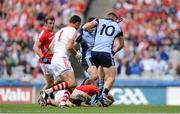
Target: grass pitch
{"type": "Point", "coordinates": [35, 108]}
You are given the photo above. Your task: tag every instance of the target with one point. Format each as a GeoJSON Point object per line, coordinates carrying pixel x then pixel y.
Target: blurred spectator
{"type": "Point", "coordinates": [171, 69]}
{"type": "Point", "coordinates": [10, 62]}
{"type": "Point", "coordinates": [21, 22]}
{"type": "Point", "coordinates": [135, 67]}
{"type": "Point", "coordinates": [153, 27]}
{"type": "Point", "coordinates": [123, 57]}
{"type": "Point", "coordinates": [160, 66]}
{"type": "Point", "coordinates": [2, 63]}
{"type": "Point", "coordinates": [178, 69]}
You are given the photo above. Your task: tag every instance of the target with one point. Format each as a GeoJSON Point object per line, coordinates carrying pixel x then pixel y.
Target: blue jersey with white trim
{"type": "Point", "coordinates": [105, 33]}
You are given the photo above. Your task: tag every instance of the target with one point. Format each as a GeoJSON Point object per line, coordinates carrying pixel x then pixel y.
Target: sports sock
{"type": "Point", "coordinates": [65, 97]}
{"type": "Point", "coordinates": [105, 91]}
{"type": "Point", "coordinates": [60, 86]}
{"type": "Point", "coordinates": [101, 84]}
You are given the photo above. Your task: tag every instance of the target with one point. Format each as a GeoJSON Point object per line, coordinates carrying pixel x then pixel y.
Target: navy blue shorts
{"type": "Point", "coordinates": [86, 63]}
{"type": "Point", "coordinates": [102, 58]}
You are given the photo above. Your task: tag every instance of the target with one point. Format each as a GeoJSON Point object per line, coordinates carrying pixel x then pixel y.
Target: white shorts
{"type": "Point", "coordinates": [60, 65]}
{"type": "Point", "coordinates": [46, 68]}
{"type": "Point", "coordinates": [59, 95]}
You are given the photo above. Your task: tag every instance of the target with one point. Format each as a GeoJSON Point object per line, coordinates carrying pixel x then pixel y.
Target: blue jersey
{"type": "Point", "coordinates": [88, 37]}
{"type": "Point", "coordinates": [87, 43]}
{"type": "Point", "coordinates": [105, 33]}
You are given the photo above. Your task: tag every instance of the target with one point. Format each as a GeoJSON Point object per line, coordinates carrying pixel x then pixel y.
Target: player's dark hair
{"type": "Point", "coordinates": [90, 19]}
{"type": "Point", "coordinates": [49, 17]}
{"type": "Point", "coordinates": [74, 19]}
{"type": "Point", "coordinates": [112, 15]}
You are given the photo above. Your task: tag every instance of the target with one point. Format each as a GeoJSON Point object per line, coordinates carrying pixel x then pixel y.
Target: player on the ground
{"type": "Point", "coordinates": [41, 47]}
{"type": "Point", "coordinates": [81, 95]}
{"type": "Point", "coordinates": [63, 45]}
{"type": "Point", "coordinates": [102, 53]}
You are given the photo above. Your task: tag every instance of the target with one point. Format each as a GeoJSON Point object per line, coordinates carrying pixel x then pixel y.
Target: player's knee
{"type": "Point", "coordinates": [72, 84]}
{"type": "Point", "coordinates": [94, 77]}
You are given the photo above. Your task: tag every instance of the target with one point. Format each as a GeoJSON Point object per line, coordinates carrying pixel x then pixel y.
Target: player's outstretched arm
{"type": "Point", "coordinates": [90, 25]}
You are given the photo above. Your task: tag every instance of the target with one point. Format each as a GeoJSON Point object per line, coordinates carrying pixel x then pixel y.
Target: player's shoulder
{"type": "Point", "coordinates": [68, 29]}
{"type": "Point", "coordinates": [44, 32]}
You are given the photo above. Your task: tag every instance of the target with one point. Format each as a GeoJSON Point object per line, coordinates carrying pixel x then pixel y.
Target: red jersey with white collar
{"type": "Point", "coordinates": [45, 38]}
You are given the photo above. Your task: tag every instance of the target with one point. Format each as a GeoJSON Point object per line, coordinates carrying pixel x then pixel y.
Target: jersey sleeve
{"type": "Point", "coordinates": [73, 35]}
{"type": "Point", "coordinates": [120, 32]}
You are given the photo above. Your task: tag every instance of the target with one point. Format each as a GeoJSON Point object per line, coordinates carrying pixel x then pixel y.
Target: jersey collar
{"type": "Point", "coordinates": [72, 25]}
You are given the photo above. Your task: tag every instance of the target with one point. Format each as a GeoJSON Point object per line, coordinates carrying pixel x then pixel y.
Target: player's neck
{"type": "Point", "coordinates": [72, 25]}
{"type": "Point", "coordinates": [51, 31]}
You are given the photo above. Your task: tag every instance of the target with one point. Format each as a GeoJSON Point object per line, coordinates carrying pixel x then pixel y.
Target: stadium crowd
{"type": "Point", "coordinates": [152, 32]}
{"type": "Point", "coordinates": [21, 22]}
{"type": "Point", "coordinates": [151, 29]}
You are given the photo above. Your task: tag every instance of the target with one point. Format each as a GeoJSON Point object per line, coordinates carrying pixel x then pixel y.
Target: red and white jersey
{"type": "Point", "coordinates": [45, 38]}
{"type": "Point", "coordinates": [61, 40]}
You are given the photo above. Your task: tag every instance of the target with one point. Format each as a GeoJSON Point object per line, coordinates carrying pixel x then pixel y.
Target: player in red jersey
{"type": "Point", "coordinates": [81, 95]}
{"type": "Point", "coordinates": [41, 48]}
{"type": "Point", "coordinates": [87, 94]}
{"type": "Point", "coordinates": [62, 46]}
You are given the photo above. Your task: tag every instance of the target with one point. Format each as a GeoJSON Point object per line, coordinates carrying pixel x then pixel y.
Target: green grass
{"type": "Point", "coordinates": [35, 108]}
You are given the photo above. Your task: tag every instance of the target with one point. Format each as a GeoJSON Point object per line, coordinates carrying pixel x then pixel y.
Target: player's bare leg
{"type": "Point", "coordinates": [109, 77]}
{"type": "Point", "coordinates": [101, 78]}
{"type": "Point", "coordinates": [50, 81]}
{"type": "Point", "coordinates": [108, 82]}
{"type": "Point", "coordinates": [69, 83]}
{"type": "Point", "coordinates": [93, 73]}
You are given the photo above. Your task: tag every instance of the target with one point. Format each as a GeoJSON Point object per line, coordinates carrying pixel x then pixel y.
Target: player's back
{"type": "Point", "coordinates": [106, 31]}
{"type": "Point", "coordinates": [89, 89]}
{"type": "Point", "coordinates": [61, 40]}
{"type": "Point", "coordinates": [88, 39]}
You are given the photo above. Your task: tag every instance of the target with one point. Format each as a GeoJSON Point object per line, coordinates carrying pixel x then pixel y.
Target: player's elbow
{"type": "Point", "coordinates": [69, 48]}
{"type": "Point", "coordinates": [122, 45]}
{"type": "Point", "coordinates": [121, 42]}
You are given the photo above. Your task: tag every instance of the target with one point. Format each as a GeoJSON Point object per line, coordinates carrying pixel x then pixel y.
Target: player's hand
{"type": "Point", "coordinates": [78, 56]}
{"type": "Point", "coordinates": [46, 60]}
